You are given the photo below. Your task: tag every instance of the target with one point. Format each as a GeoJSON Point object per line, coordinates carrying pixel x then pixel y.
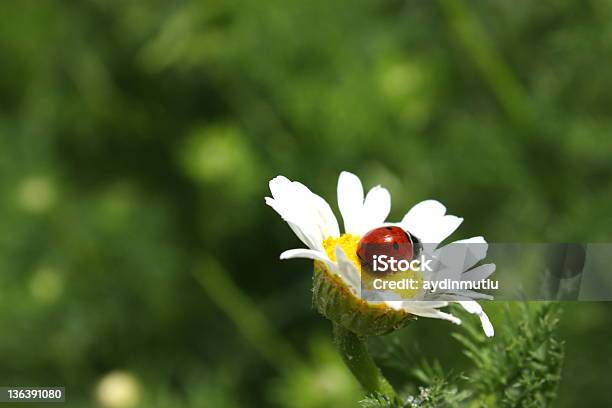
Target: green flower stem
{"type": "Point", "coordinates": [354, 351]}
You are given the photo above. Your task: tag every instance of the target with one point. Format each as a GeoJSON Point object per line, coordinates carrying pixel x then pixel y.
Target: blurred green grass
{"type": "Point", "coordinates": [137, 139]}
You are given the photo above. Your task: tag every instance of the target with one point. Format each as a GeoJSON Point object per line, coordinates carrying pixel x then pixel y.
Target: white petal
{"type": "Point", "coordinates": [427, 304]}
{"type": "Point", "coordinates": [307, 254]}
{"type": "Point", "coordinates": [306, 232]}
{"type": "Point", "coordinates": [428, 222]}
{"type": "Point", "coordinates": [432, 313]}
{"type": "Point", "coordinates": [392, 299]}
{"type": "Point", "coordinates": [472, 240]}
{"type": "Point", "coordinates": [479, 273]}
{"type": "Point", "coordinates": [474, 308]}
{"type": "Point", "coordinates": [475, 247]}
{"type": "Point", "coordinates": [453, 259]}
{"type": "Point", "coordinates": [322, 212]}
{"type": "Point", "coordinates": [376, 208]}
{"type": "Point", "coordinates": [350, 201]}
{"type": "Point", "coordinates": [477, 250]}
{"type": "Point", "coordinates": [308, 215]}
{"type": "Point", "coordinates": [347, 270]}
{"type": "Point", "coordinates": [394, 304]}
{"type": "Point", "coordinates": [452, 296]}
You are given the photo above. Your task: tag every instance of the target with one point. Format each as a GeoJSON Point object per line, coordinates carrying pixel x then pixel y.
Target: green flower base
{"type": "Point", "coordinates": [334, 300]}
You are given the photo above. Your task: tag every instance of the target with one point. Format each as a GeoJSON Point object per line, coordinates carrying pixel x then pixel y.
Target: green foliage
{"type": "Point", "coordinates": [439, 394]}
{"type": "Point", "coordinates": [442, 391]}
{"type": "Point", "coordinates": [524, 370]}
{"type": "Point", "coordinates": [377, 400]}
{"type": "Point", "coordinates": [520, 367]}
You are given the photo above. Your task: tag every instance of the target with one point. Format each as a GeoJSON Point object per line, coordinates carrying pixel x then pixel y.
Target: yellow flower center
{"type": "Point", "coordinates": [349, 244]}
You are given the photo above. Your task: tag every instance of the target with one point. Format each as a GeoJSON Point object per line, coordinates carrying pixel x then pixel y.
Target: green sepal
{"type": "Point", "coordinates": [334, 300]}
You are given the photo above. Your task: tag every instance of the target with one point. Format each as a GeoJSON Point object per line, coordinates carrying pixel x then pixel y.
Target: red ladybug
{"type": "Point", "coordinates": [391, 241]}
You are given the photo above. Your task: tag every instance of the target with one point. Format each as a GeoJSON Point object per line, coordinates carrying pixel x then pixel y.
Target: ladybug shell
{"type": "Point", "coordinates": [390, 241]}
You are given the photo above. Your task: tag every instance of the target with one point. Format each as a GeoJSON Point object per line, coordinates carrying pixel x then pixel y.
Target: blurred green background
{"type": "Point", "coordinates": [139, 265]}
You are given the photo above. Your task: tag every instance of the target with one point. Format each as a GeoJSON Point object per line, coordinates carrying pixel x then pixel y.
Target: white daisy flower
{"type": "Point", "coordinates": [335, 254]}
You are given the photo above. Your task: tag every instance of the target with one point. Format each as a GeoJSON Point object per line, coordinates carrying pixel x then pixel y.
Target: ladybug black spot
{"type": "Point", "coordinates": [395, 246]}
{"type": "Point", "coordinates": [389, 228]}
